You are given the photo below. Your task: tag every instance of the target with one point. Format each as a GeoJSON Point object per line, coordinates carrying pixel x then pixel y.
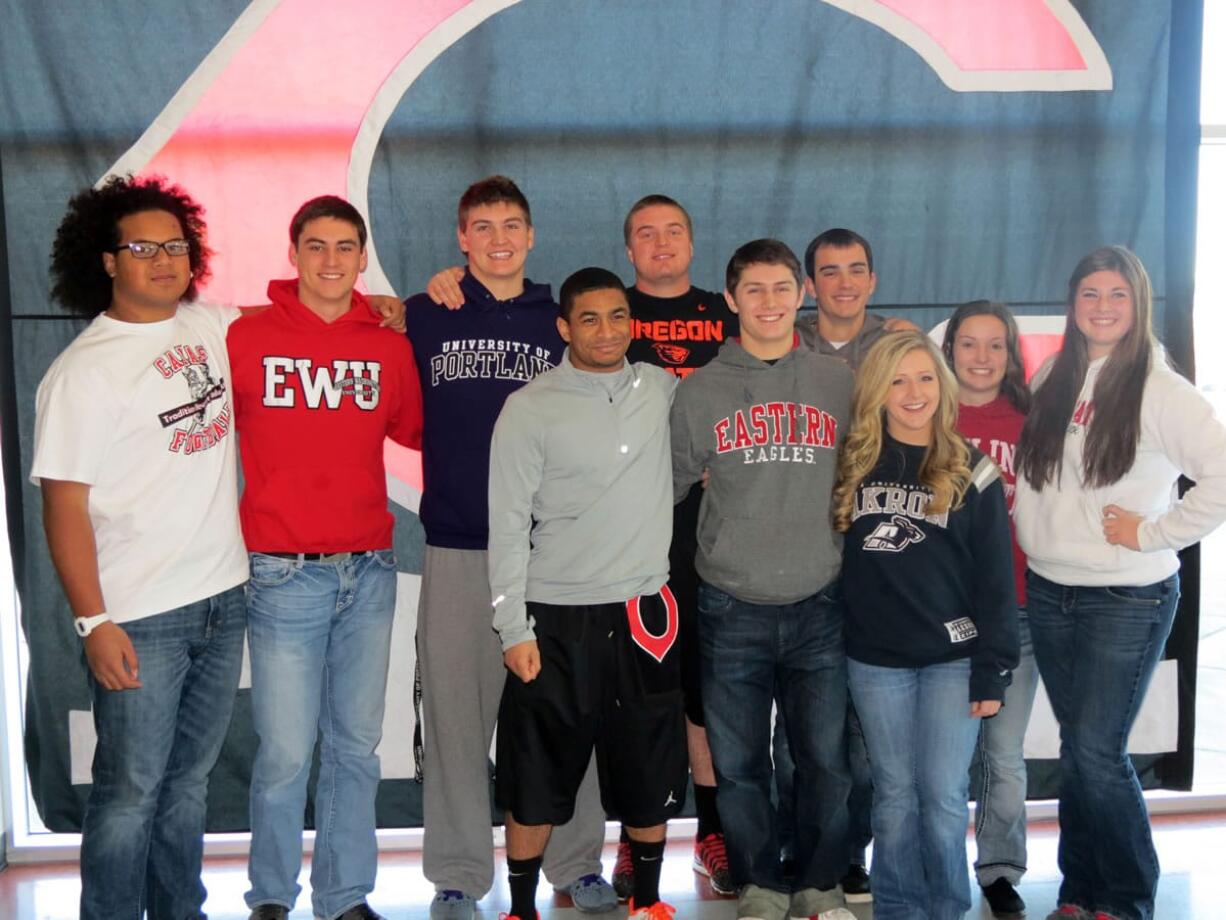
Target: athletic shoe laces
{"type": "Point", "coordinates": [714, 853]}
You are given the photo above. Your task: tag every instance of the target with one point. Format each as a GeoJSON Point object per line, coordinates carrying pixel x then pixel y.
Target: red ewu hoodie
{"type": "Point", "coordinates": [313, 402]}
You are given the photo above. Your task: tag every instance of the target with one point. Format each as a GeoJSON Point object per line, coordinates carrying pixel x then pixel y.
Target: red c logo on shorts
{"type": "Point", "coordinates": [655, 646]}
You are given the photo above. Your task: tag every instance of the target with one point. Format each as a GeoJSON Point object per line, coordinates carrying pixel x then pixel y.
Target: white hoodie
{"type": "Point", "coordinates": [1060, 528]}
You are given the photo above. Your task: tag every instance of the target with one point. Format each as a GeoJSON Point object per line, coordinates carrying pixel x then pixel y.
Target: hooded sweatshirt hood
{"type": "Point", "coordinates": [288, 307]}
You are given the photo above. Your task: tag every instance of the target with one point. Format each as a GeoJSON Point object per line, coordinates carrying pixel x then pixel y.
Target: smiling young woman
{"type": "Point", "coordinates": [981, 346]}
{"type": "Point", "coordinates": [931, 626]}
{"type": "Point", "coordinates": [1112, 429]}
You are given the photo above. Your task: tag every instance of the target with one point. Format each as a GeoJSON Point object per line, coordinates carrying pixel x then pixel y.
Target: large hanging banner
{"type": "Point", "coordinates": [981, 147]}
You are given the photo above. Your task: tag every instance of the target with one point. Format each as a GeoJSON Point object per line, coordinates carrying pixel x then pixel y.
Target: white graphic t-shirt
{"type": "Point", "coordinates": [143, 413]}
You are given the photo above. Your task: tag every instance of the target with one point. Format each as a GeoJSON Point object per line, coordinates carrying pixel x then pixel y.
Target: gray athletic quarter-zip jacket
{"type": "Point", "coordinates": [581, 508]}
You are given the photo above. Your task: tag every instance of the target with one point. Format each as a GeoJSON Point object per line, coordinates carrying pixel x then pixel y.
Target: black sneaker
{"type": "Point", "coordinates": [856, 886]}
{"type": "Point", "coordinates": [269, 912]}
{"type": "Point", "coordinates": [360, 912]}
{"type": "Point", "coordinates": [1004, 900]}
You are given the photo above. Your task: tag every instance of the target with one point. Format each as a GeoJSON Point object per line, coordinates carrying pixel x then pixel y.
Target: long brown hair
{"type": "Point", "coordinates": [1013, 386]}
{"type": "Point", "coordinates": [945, 470]}
{"type": "Point", "coordinates": [1115, 426]}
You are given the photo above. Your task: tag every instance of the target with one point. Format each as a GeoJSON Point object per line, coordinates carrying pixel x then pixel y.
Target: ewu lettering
{"type": "Point", "coordinates": [290, 382]}
{"type": "Point", "coordinates": [777, 432]}
{"type": "Point", "coordinates": [205, 418]}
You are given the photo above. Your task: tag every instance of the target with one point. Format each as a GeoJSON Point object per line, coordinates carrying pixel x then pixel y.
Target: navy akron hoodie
{"type": "Point", "coordinates": [470, 360]}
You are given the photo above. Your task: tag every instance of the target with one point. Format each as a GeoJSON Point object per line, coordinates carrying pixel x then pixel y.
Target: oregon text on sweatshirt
{"type": "Point", "coordinates": [924, 589]}
{"type": "Point", "coordinates": [580, 492]}
{"type": "Point", "coordinates": [994, 428]}
{"type": "Point", "coordinates": [470, 360]}
{"type": "Point", "coordinates": [314, 402]}
{"type": "Point", "coordinates": [679, 334]}
{"type": "Point", "coordinates": [1060, 526]}
{"type": "Point", "coordinates": [769, 434]}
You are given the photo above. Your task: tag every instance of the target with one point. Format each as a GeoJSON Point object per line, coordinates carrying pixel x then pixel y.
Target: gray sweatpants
{"type": "Point", "coordinates": [462, 676]}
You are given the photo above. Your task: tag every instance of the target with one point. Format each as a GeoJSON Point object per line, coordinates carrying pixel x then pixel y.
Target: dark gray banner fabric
{"type": "Point", "coordinates": [977, 169]}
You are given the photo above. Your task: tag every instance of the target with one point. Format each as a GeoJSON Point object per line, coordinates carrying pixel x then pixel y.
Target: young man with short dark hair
{"type": "Point", "coordinates": [839, 276]}
{"type": "Point", "coordinates": [580, 525]}
{"type": "Point", "coordinates": [470, 360]}
{"type": "Point", "coordinates": [319, 385]}
{"type": "Point", "coordinates": [765, 418]}
{"type": "Point", "coordinates": [679, 327]}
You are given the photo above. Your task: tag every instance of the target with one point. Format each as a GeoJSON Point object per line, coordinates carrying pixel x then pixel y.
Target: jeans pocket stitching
{"type": "Point", "coordinates": [284, 569]}
{"type": "Point", "coordinates": [1144, 602]}
{"type": "Point", "coordinates": [379, 556]}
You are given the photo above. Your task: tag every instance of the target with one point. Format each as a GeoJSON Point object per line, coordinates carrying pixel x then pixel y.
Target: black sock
{"type": "Point", "coordinates": [708, 814]}
{"type": "Point", "coordinates": [523, 874]}
{"type": "Point", "coordinates": [624, 838]}
{"type": "Point", "coordinates": [648, 858]}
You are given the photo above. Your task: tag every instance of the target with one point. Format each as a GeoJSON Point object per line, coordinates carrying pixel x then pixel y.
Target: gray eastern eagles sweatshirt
{"type": "Point", "coordinates": [769, 434]}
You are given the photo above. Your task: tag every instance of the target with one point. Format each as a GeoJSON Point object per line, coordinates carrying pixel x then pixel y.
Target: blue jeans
{"type": "Point", "coordinates": [320, 636]}
{"type": "Point", "coordinates": [920, 737]}
{"type": "Point", "coordinates": [1000, 817]}
{"type": "Point", "coordinates": [143, 831]}
{"type": "Point", "coordinates": [1097, 649]}
{"type": "Point", "coordinates": [859, 801]}
{"type": "Point", "coordinates": [792, 654]}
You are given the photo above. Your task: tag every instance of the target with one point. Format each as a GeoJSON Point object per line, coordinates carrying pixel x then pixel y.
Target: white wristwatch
{"type": "Point", "coordinates": [86, 625]}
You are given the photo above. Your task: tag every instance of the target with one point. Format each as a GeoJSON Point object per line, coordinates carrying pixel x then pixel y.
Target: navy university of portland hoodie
{"type": "Point", "coordinates": [470, 360]}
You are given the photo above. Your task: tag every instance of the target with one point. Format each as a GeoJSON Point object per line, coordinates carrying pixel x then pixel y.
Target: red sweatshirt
{"type": "Point", "coordinates": [313, 402]}
{"type": "Point", "coordinates": [994, 429]}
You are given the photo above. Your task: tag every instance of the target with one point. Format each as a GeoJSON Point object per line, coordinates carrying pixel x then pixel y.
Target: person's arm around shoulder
{"type": "Point", "coordinates": [390, 308]}
{"type": "Point", "coordinates": [993, 591]}
{"type": "Point", "coordinates": [517, 460]}
{"type": "Point", "coordinates": [70, 537]}
{"type": "Point", "coordinates": [1193, 439]}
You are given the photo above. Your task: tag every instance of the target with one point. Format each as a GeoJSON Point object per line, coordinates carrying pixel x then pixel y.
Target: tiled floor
{"type": "Point", "coordinates": [1191, 850]}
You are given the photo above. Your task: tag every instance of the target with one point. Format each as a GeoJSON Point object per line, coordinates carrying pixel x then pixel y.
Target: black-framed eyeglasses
{"type": "Point", "coordinates": [147, 249]}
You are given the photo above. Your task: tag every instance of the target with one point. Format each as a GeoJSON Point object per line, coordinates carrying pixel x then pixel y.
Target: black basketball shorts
{"type": "Point", "coordinates": [610, 680]}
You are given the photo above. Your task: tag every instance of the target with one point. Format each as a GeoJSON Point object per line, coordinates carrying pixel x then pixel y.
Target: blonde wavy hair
{"type": "Point", "coordinates": [946, 468]}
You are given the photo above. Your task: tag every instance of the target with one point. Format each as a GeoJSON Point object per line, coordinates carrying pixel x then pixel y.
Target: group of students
{"type": "Point", "coordinates": [695, 514]}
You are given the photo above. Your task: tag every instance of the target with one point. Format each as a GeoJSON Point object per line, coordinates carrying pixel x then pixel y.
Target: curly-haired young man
{"type": "Point", "coordinates": [135, 457]}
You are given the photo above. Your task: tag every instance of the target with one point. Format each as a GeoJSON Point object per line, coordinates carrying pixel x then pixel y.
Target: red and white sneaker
{"type": "Point", "coordinates": [657, 911]}
{"type": "Point", "coordinates": [623, 872]}
{"type": "Point", "coordinates": [1070, 912]}
{"type": "Point", "coordinates": [711, 860]}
